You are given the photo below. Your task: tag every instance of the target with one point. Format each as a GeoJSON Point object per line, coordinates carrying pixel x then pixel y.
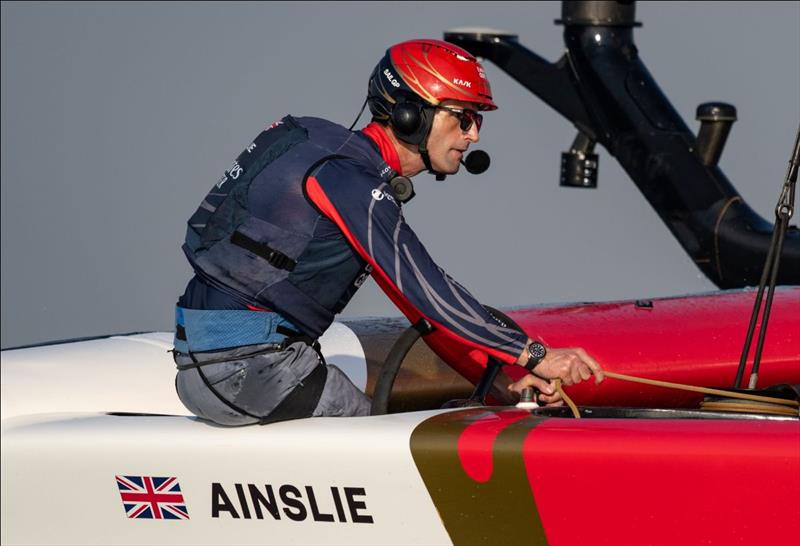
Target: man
{"type": "Point", "coordinates": [288, 234]}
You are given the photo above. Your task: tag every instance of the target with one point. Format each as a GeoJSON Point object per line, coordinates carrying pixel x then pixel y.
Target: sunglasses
{"type": "Point", "coordinates": [465, 117]}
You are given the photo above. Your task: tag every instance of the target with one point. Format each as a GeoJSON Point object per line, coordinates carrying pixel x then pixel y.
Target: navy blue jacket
{"type": "Point", "coordinates": [326, 205]}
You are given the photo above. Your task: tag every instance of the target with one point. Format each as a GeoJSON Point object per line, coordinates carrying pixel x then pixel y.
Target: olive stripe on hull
{"type": "Point", "coordinates": [472, 464]}
{"type": "Point", "coordinates": [504, 476]}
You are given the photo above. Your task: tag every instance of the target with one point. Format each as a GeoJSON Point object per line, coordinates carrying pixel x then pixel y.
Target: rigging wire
{"type": "Point", "coordinates": [733, 401]}
{"type": "Point", "coordinates": [783, 212]}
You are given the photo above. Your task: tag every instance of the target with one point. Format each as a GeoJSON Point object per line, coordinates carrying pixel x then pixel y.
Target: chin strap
{"type": "Point", "coordinates": [423, 151]}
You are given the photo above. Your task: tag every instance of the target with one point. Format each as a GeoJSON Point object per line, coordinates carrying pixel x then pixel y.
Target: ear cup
{"type": "Point", "coordinates": [406, 117]}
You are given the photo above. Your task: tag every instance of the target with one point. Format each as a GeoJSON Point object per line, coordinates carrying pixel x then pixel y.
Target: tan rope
{"type": "Point", "coordinates": [762, 403]}
{"type": "Point", "coordinates": [705, 390]}
{"type": "Point", "coordinates": [567, 399]}
{"type": "Point", "coordinates": [740, 406]}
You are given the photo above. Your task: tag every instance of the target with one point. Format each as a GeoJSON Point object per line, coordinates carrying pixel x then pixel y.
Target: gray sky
{"type": "Point", "coordinates": [118, 117]}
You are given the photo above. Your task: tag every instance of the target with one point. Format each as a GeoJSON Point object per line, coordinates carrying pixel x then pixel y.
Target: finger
{"type": "Point", "coordinates": [575, 373]}
{"type": "Point", "coordinates": [585, 371]}
{"type": "Point", "coordinates": [517, 386]}
{"type": "Point", "coordinates": [593, 365]}
{"type": "Point", "coordinates": [544, 386]}
{"type": "Point", "coordinates": [550, 399]}
{"type": "Point", "coordinates": [531, 380]}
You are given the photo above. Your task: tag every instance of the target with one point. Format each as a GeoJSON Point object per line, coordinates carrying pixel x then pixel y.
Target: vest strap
{"type": "Point", "coordinates": [276, 258]}
{"type": "Point", "coordinates": [195, 364]}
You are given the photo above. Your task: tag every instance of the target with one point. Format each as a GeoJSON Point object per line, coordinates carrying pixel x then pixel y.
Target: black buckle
{"type": "Point", "coordinates": [274, 257]}
{"type": "Point", "coordinates": [294, 337]}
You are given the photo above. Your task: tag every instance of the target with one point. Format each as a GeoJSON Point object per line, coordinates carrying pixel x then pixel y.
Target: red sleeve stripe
{"type": "Point", "coordinates": [441, 334]}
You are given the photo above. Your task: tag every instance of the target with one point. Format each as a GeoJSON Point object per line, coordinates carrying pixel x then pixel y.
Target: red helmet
{"type": "Point", "coordinates": [430, 70]}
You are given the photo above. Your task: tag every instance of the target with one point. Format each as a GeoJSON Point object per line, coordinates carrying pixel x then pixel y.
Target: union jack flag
{"type": "Point", "coordinates": [146, 497]}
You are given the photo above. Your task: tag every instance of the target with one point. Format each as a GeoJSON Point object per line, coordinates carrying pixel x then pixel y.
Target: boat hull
{"type": "Point", "coordinates": [473, 476]}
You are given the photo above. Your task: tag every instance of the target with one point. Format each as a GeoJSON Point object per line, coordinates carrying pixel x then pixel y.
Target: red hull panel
{"type": "Point", "coordinates": [506, 477]}
{"type": "Point", "coordinates": [666, 482]}
{"type": "Point", "coordinates": [692, 339]}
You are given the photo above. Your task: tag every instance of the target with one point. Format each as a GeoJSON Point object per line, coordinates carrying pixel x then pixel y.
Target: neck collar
{"type": "Point", "coordinates": [377, 133]}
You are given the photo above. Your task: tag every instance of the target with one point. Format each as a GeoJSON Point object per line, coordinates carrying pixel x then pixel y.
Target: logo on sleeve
{"type": "Point", "coordinates": [378, 195]}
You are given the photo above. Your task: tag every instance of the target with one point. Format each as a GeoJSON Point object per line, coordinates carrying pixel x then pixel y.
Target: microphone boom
{"type": "Point", "coordinates": [477, 162]}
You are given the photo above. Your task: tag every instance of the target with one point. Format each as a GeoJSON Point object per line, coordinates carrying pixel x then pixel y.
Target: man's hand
{"type": "Point", "coordinates": [572, 365]}
{"type": "Point", "coordinates": [549, 396]}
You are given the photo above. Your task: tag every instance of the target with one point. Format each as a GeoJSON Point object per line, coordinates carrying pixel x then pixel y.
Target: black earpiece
{"type": "Point", "coordinates": [406, 117]}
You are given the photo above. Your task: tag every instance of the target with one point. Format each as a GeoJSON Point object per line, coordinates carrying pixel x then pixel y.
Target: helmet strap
{"type": "Point", "coordinates": [423, 151]}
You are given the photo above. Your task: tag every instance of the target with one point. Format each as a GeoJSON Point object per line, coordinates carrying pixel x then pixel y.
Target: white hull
{"type": "Point", "coordinates": [73, 498]}
{"type": "Point", "coordinates": [124, 374]}
{"type": "Point", "coordinates": [64, 444]}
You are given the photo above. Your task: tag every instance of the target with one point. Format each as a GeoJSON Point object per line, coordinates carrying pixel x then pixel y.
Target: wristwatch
{"type": "Point", "coordinates": [536, 353]}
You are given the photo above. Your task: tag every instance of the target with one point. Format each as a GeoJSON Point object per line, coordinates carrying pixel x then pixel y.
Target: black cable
{"type": "Point", "coordinates": [359, 114]}
{"type": "Point", "coordinates": [781, 228]}
{"type": "Point", "coordinates": [756, 310]}
{"type": "Point", "coordinates": [783, 212]}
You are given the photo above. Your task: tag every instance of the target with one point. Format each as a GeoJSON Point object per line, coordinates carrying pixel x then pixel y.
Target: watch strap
{"type": "Point", "coordinates": [534, 360]}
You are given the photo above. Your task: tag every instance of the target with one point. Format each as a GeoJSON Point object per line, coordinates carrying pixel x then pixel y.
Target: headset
{"type": "Point", "coordinates": [411, 120]}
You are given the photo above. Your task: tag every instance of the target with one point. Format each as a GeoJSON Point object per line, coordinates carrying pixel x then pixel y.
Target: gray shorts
{"type": "Point", "coordinates": [256, 380]}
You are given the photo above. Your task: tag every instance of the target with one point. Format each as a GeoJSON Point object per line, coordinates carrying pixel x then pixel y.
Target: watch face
{"type": "Point", "coordinates": [537, 350]}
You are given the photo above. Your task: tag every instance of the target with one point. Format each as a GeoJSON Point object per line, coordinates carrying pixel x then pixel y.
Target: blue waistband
{"type": "Point", "coordinates": [207, 330]}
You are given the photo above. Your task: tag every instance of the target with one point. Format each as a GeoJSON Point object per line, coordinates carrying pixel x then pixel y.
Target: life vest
{"type": "Point", "coordinates": [259, 239]}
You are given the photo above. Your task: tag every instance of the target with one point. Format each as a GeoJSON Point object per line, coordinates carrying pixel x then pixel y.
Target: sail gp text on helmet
{"type": "Point", "coordinates": [391, 78]}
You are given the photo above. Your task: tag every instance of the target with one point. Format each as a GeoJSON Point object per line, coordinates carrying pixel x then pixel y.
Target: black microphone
{"type": "Point", "coordinates": [476, 162]}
